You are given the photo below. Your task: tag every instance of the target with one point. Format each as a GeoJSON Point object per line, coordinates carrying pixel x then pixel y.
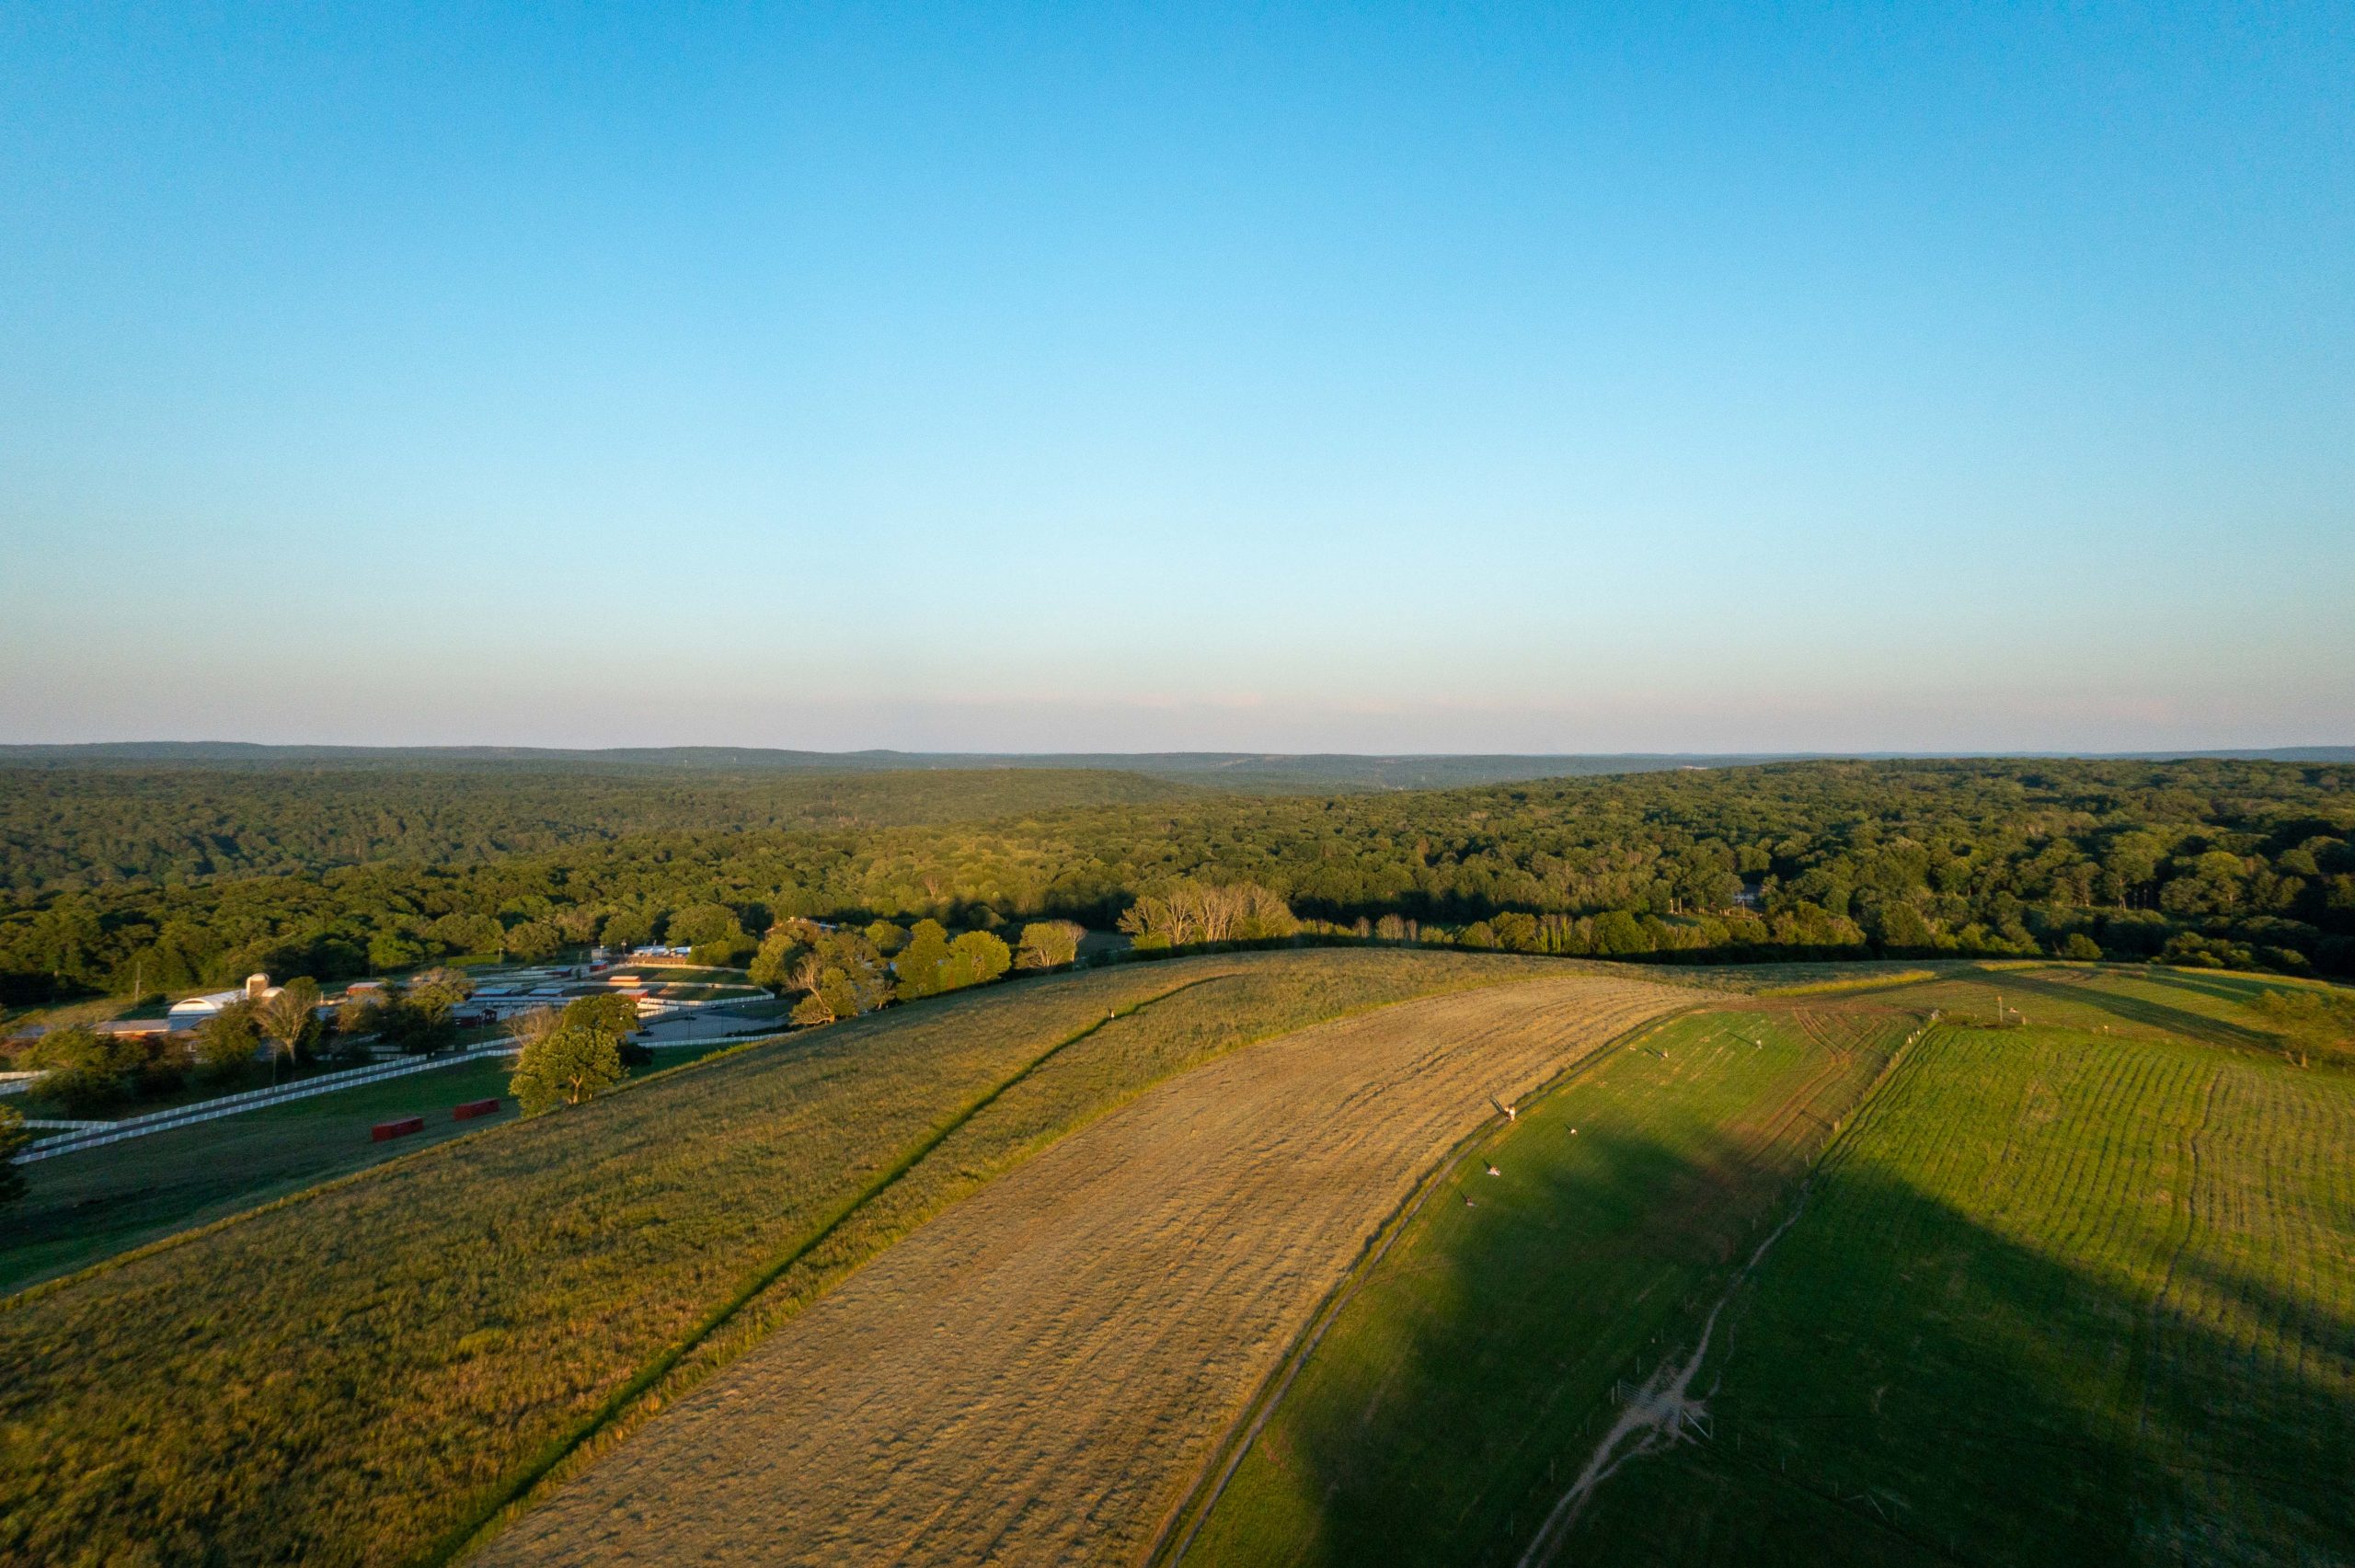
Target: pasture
{"type": "Point", "coordinates": [2060, 1295]}
{"type": "Point", "coordinates": [79, 1208]}
{"type": "Point", "coordinates": [370, 1370]}
{"type": "Point", "coordinates": [2078, 1287]}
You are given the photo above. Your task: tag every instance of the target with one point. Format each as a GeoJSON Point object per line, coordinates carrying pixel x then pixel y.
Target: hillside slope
{"type": "Point", "coordinates": [2063, 1294]}
{"type": "Point", "coordinates": [1031, 1377]}
{"type": "Point", "coordinates": [355, 1374]}
{"type": "Point", "coordinates": [2073, 1281]}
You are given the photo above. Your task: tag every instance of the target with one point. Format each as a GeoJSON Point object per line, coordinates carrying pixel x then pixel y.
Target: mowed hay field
{"type": "Point", "coordinates": [2063, 1294]}
{"type": "Point", "coordinates": [363, 1372]}
{"type": "Point", "coordinates": [1450, 1401]}
{"type": "Point", "coordinates": [1038, 1374]}
{"type": "Point", "coordinates": [2080, 1288]}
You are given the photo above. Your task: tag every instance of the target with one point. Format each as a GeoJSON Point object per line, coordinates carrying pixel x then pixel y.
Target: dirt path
{"type": "Point", "coordinates": [1034, 1376]}
{"type": "Point", "coordinates": [1653, 1417]}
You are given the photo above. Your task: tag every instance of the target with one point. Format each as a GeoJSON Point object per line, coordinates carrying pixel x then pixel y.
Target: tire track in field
{"type": "Point", "coordinates": [2163, 1297]}
{"type": "Point", "coordinates": [1032, 1375]}
{"type": "Point", "coordinates": [1659, 1412]}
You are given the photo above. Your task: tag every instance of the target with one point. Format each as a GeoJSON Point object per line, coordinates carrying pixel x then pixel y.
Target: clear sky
{"type": "Point", "coordinates": [1445, 378]}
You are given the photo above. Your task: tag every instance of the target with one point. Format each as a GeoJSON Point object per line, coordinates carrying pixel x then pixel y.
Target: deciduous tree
{"type": "Point", "coordinates": [290, 1020]}
{"type": "Point", "coordinates": [1191, 911]}
{"type": "Point", "coordinates": [532, 942]}
{"type": "Point", "coordinates": [569, 1065]}
{"type": "Point", "coordinates": [774, 964]}
{"type": "Point", "coordinates": [228, 1042]}
{"type": "Point", "coordinates": [1048, 944]}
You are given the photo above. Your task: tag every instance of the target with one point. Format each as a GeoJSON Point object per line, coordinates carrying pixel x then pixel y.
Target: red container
{"type": "Point", "coordinates": [384, 1132]}
{"type": "Point", "coordinates": [474, 1108]}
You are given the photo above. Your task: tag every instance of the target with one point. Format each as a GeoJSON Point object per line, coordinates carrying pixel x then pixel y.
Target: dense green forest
{"type": "Point", "coordinates": [70, 828]}
{"type": "Point", "coordinates": [2234, 862]}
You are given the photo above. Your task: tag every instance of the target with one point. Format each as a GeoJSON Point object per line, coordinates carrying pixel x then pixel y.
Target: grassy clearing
{"type": "Point", "coordinates": [2061, 1296]}
{"type": "Point", "coordinates": [82, 1208]}
{"type": "Point", "coordinates": [1460, 1385]}
{"type": "Point", "coordinates": [353, 1374]}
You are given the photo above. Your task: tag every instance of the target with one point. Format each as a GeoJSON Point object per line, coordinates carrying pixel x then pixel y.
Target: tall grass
{"type": "Point", "coordinates": [360, 1374]}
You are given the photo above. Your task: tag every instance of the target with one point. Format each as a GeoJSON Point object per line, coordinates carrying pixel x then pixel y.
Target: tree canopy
{"type": "Point", "coordinates": [2214, 862]}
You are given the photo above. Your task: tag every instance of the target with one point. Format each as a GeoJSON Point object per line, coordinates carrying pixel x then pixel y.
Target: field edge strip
{"type": "Point", "coordinates": [39, 1289]}
{"type": "Point", "coordinates": [1194, 1505]}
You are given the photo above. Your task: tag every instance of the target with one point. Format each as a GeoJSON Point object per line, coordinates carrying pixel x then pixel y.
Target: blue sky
{"type": "Point", "coordinates": [1463, 378]}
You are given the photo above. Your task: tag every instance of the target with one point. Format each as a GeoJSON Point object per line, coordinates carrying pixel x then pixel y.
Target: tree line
{"type": "Point", "coordinates": [2234, 862]}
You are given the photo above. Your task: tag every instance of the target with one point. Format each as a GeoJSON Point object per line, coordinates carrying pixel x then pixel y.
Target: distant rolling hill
{"type": "Point", "coordinates": [1246, 771]}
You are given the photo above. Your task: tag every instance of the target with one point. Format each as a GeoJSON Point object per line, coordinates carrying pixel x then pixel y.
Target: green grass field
{"type": "Point", "coordinates": [84, 1207]}
{"type": "Point", "coordinates": [446, 1324]}
{"type": "Point", "coordinates": [2059, 1290]}
{"type": "Point", "coordinates": [1433, 1421]}
{"type": "Point", "coordinates": [2078, 1290]}
{"type": "Point", "coordinates": [2079, 1285]}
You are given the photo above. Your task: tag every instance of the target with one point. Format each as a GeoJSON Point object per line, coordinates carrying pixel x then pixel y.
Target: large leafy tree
{"type": "Point", "coordinates": [567, 1066]}
{"type": "Point", "coordinates": [628, 928]}
{"type": "Point", "coordinates": [922, 961]}
{"type": "Point", "coordinates": [1047, 944]}
{"type": "Point", "coordinates": [700, 925]}
{"type": "Point", "coordinates": [1190, 910]}
{"type": "Point", "coordinates": [845, 977]}
{"type": "Point", "coordinates": [532, 941]}
{"type": "Point", "coordinates": [978, 958]}
{"type": "Point", "coordinates": [778, 960]}
{"type": "Point", "coordinates": [87, 1071]}
{"type": "Point", "coordinates": [228, 1042]}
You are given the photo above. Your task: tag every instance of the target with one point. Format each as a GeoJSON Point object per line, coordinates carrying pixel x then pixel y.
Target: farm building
{"type": "Point", "coordinates": [132, 1028]}
{"type": "Point", "coordinates": [189, 1012]}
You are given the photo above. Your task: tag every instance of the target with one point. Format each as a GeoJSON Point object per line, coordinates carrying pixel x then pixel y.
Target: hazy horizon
{"type": "Point", "coordinates": [2333, 751]}
{"type": "Point", "coordinates": [1561, 381]}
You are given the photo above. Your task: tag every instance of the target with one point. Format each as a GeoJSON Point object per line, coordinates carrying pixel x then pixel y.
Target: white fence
{"type": "Point", "coordinates": [250, 1100]}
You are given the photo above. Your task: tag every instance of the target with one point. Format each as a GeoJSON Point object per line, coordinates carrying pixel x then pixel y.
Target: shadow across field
{"type": "Point", "coordinates": [1962, 1398]}
{"type": "Point", "coordinates": [1896, 1383]}
{"type": "Point", "coordinates": [2238, 990]}
{"type": "Point", "coordinates": [1476, 1357]}
{"type": "Point", "coordinates": [2142, 1011]}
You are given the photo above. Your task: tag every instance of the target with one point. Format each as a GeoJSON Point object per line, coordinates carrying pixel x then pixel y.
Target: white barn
{"type": "Point", "coordinates": [192, 1011]}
